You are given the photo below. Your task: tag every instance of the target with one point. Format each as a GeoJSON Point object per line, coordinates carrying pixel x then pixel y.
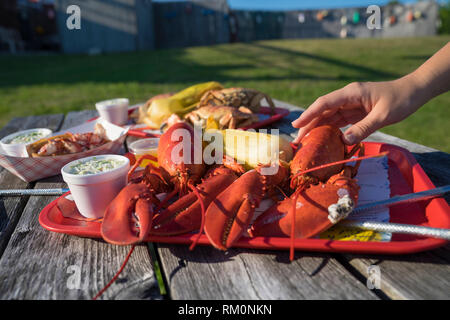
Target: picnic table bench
{"type": "Point", "coordinates": [38, 264]}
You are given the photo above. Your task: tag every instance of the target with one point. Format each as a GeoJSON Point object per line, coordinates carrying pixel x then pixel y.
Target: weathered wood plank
{"type": "Point", "coordinates": [38, 264]}
{"type": "Point", "coordinates": [52, 122]}
{"type": "Point", "coordinates": [207, 273]}
{"type": "Point", "coordinates": [11, 207]}
{"type": "Point", "coordinates": [419, 276]}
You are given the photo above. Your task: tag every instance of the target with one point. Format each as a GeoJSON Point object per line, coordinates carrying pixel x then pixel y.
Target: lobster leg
{"type": "Point", "coordinates": [177, 218]}
{"type": "Point", "coordinates": [311, 215]}
{"type": "Point", "coordinates": [185, 214]}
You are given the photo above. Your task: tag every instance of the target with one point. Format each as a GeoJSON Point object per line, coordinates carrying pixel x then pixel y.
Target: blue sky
{"type": "Point", "coordinates": [303, 4]}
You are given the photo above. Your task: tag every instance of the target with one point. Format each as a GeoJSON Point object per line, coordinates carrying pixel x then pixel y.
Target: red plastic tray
{"type": "Point", "coordinates": [405, 176]}
{"type": "Point", "coordinates": [277, 115]}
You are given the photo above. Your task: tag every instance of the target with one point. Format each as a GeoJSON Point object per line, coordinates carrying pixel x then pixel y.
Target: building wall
{"type": "Point", "coordinates": [107, 26]}
{"type": "Point", "coordinates": [424, 26]}
{"type": "Point", "coordinates": [258, 25]}
{"type": "Point", "coordinates": [9, 14]}
{"type": "Point", "coordinates": [130, 25]}
{"type": "Point", "coordinates": [182, 24]}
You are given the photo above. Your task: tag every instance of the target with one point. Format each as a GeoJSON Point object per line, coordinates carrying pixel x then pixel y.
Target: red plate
{"type": "Point", "coordinates": [277, 115]}
{"type": "Point", "coordinates": [405, 176]}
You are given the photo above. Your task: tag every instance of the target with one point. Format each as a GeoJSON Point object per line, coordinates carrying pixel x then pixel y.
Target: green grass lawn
{"type": "Point", "coordinates": [296, 71]}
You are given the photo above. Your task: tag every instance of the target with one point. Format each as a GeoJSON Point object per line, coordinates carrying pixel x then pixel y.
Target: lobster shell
{"type": "Point", "coordinates": [311, 209]}
{"type": "Point", "coordinates": [184, 215]}
{"type": "Point", "coordinates": [187, 171]}
{"type": "Point", "coordinates": [321, 145]}
{"type": "Point", "coordinates": [229, 215]}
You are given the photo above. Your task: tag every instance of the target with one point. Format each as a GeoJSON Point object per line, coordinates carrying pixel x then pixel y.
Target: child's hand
{"type": "Point", "coordinates": [369, 106]}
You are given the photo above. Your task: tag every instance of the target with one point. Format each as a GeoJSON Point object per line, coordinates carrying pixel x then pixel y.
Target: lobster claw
{"type": "Point", "coordinates": [128, 218]}
{"type": "Point", "coordinates": [310, 211]}
{"type": "Point", "coordinates": [229, 215]}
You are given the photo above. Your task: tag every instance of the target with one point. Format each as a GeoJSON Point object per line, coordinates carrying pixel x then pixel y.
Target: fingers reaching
{"type": "Point", "coordinates": [347, 96]}
{"type": "Point", "coordinates": [340, 117]}
{"type": "Point", "coordinates": [362, 129]}
{"type": "Point", "coordinates": [304, 130]}
{"type": "Point", "coordinates": [339, 108]}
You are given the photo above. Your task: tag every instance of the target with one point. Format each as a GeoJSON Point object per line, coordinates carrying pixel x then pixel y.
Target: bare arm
{"type": "Point", "coordinates": [433, 76]}
{"type": "Point", "coordinates": [370, 106]}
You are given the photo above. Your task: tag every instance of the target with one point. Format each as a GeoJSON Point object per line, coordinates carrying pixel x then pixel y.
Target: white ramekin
{"type": "Point", "coordinates": [20, 149]}
{"type": "Point", "coordinates": [94, 192]}
{"type": "Point", "coordinates": [114, 110]}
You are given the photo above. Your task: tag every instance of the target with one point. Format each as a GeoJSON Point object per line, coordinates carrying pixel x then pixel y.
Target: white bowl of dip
{"type": "Point", "coordinates": [15, 144]}
{"type": "Point", "coordinates": [95, 181]}
{"type": "Point", "coordinates": [114, 110]}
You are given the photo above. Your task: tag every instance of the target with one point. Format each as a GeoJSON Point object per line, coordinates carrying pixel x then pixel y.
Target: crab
{"type": "Point", "coordinates": [236, 97]}
{"type": "Point", "coordinates": [225, 117]}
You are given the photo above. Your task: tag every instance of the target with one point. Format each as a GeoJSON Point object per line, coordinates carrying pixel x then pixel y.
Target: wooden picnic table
{"type": "Point", "coordinates": [39, 264]}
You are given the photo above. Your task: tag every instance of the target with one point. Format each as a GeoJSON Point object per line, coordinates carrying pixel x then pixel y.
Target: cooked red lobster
{"type": "Point", "coordinates": [137, 211]}
{"type": "Point", "coordinates": [306, 214]}
{"type": "Point", "coordinates": [222, 201]}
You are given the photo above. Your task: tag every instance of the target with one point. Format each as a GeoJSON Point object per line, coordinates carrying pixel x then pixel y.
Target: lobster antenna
{"type": "Point", "coordinates": [202, 225]}
{"type": "Point", "coordinates": [291, 247]}
{"type": "Point", "coordinates": [116, 275]}
{"type": "Point", "coordinates": [281, 190]}
{"type": "Point", "coordinates": [166, 199]}
{"type": "Point", "coordinates": [379, 155]}
{"type": "Point", "coordinates": [294, 207]}
{"type": "Point", "coordinates": [138, 162]}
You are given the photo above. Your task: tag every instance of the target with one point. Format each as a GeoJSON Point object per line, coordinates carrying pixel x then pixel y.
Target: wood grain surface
{"type": "Point", "coordinates": [38, 264]}
{"type": "Point", "coordinates": [11, 207]}
{"type": "Point", "coordinates": [207, 273]}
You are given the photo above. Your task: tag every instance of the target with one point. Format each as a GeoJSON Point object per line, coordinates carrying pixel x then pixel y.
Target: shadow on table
{"type": "Point", "coordinates": [437, 167]}
{"type": "Point", "coordinates": [4, 219]}
{"type": "Point", "coordinates": [210, 255]}
{"type": "Point", "coordinates": [437, 256]}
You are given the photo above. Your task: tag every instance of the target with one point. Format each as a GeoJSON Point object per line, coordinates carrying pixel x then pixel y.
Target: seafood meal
{"type": "Point", "coordinates": [225, 117]}
{"type": "Point", "coordinates": [68, 143]}
{"type": "Point", "coordinates": [312, 187]}
{"type": "Point", "coordinates": [235, 97]}
{"type": "Point", "coordinates": [226, 107]}
{"type": "Point", "coordinates": [220, 200]}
